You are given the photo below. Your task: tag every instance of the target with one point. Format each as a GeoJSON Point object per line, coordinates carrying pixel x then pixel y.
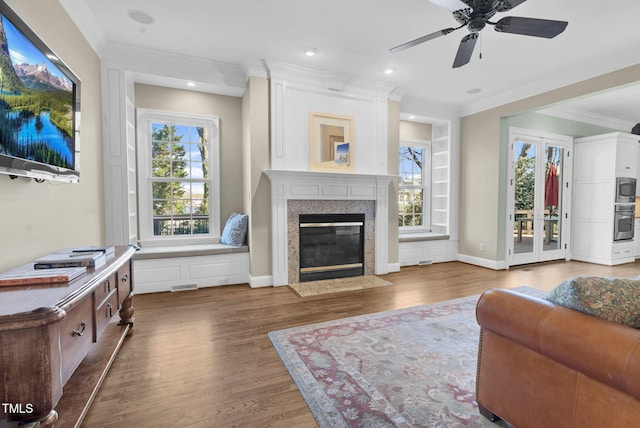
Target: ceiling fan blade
{"type": "Point", "coordinates": [531, 26]}
{"type": "Point", "coordinates": [422, 39]}
{"type": "Point", "coordinates": [505, 5]}
{"type": "Point", "coordinates": [465, 50]}
{"type": "Point", "coordinates": [450, 5]}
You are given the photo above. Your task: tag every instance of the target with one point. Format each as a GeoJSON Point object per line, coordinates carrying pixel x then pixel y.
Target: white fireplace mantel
{"type": "Point", "coordinates": [304, 185]}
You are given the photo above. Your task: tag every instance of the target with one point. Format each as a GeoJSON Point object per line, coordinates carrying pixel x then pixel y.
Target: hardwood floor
{"type": "Point", "coordinates": [203, 359]}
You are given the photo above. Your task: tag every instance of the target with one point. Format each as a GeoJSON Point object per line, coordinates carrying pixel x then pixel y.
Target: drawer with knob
{"type": "Point", "coordinates": [76, 336]}
{"type": "Point", "coordinates": [105, 312]}
{"type": "Point", "coordinates": [105, 288]}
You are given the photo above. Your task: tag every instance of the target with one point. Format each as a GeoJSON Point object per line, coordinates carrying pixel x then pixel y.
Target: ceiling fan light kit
{"type": "Point", "coordinates": [476, 14]}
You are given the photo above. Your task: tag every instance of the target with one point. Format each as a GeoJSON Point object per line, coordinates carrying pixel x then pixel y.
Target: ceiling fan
{"type": "Point", "coordinates": [476, 14]}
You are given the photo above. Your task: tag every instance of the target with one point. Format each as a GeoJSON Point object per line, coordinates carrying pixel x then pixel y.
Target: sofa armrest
{"type": "Point", "coordinates": [600, 349]}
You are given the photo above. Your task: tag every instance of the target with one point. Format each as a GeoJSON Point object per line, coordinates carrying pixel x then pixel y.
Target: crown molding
{"type": "Point", "coordinates": [256, 68]}
{"type": "Point", "coordinates": [86, 22]}
{"type": "Point", "coordinates": [326, 80]}
{"type": "Point", "coordinates": [397, 93]}
{"type": "Point", "coordinates": [429, 111]}
{"type": "Point", "coordinates": [211, 76]}
{"type": "Point", "coordinates": [571, 113]}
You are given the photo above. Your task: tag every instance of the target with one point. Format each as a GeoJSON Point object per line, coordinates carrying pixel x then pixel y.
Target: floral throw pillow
{"type": "Point", "coordinates": [614, 299]}
{"type": "Point", "coordinates": [235, 230]}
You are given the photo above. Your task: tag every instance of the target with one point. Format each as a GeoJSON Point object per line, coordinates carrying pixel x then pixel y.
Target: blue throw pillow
{"type": "Point", "coordinates": [235, 230]}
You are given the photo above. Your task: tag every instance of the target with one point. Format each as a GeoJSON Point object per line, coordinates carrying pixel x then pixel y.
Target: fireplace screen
{"type": "Point", "coordinates": [331, 246]}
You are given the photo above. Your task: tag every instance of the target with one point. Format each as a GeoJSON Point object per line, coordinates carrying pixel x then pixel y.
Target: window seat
{"type": "Point", "coordinates": [189, 267]}
{"type": "Point", "coordinates": [426, 248]}
{"type": "Point", "coordinates": [425, 236]}
{"type": "Point", "coordinates": [188, 251]}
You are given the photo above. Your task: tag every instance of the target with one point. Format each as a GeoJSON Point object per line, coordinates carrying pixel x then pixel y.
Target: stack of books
{"type": "Point", "coordinates": [38, 276]}
{"type": "Point", "coordinates": [75, 257]}
{"type": "Point", "coordinates": [59, 267]}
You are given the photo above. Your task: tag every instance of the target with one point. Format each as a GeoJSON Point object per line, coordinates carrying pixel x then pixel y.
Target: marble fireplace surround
{"type": "Point", "coordinates": [326, 191]}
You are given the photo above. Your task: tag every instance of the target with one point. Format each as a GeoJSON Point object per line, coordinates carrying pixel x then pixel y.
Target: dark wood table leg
{"type": "Point", "coordinates": [126, 313]}
{"type": "Point", "coordinates": [49, 420]}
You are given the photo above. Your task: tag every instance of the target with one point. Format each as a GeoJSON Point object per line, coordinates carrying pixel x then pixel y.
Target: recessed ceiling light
{"type": "Point", "coordinates": [310, 51]}
{"type": "Point", "coordinates": [388, 70]}
{"type": "Point", "coordinates": [191, 84]}
{"type": "Point", "coordinates": [474, 91]}
{"type": "Point", "coordinates": [412, 117]}
{"type": "Point", "coordinates": [140, 16]}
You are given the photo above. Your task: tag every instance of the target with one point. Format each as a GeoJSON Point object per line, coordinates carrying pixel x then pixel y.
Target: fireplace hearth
{"type": "Point", "coordinates": [331, 246]}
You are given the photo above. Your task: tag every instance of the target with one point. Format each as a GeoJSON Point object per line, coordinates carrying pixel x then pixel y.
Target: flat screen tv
{"type": "Point", "coordinates": [39, 106]}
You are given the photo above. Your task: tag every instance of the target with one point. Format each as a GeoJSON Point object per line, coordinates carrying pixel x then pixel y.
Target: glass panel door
{"type": "Point", "coordinates": [537, 171]}
{"type": "Point", "coordinates": [553, 171]}
{"type": "Point", "coordinates": [525, 155]}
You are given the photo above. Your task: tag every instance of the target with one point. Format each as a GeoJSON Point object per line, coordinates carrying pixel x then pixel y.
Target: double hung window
{"type": "Point", "coordinates": [178, 178]}
{"type": "Point", "coordinates": [414, 186]}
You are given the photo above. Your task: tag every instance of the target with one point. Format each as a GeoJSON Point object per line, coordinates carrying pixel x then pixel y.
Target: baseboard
{"type": "Point", "coordinates": [486, 263]}
{"type": "Point", "coordinates": [260, 281]}
{"type": "Point", "coordinates": [394, 267]}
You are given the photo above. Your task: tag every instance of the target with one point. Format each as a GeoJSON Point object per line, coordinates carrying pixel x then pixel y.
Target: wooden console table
{"type": "Point", "coordinates": [58, 341]}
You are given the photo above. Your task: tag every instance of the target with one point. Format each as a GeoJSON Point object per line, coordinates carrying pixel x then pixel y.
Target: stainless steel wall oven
{"type": "Point", "coordinates": [623, 222]}
{"type": "Point", "coordinates": [625, 190]}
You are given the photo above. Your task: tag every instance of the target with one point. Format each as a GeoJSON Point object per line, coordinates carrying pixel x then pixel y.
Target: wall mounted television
{"type": "Point", "coordinates": [39, 106]}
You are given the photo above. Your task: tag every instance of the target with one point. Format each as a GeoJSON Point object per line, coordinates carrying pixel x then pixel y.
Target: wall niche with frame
{"type": "Point", "coordinates": [330, 142]}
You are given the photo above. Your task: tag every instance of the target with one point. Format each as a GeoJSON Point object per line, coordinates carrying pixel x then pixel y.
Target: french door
{"type": "Point", "coordinates": [538, 201]}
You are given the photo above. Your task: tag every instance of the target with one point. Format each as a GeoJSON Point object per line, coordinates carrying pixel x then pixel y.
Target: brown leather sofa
{"type": "Point", "coordinates": [543, 365]}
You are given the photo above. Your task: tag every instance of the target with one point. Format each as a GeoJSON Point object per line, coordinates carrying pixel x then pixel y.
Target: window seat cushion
{"type": "Point", "coordinates": [188, 251]}
{"type": "Point", "coordinates": [426, 236]}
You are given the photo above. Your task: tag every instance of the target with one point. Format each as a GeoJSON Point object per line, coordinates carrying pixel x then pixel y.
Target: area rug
{"type": "Point", "coordinates": [327, 286]}
{"type": "Point", "coordinates": [413, 367]}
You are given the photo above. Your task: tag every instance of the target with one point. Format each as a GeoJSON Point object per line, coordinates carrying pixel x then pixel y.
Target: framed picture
{"type": "Point", "coordinates": [334, 140]}
{"type": "Point", "coordinates": [341, 153]}
{"type": "Point", "coordinates": [330, 142]}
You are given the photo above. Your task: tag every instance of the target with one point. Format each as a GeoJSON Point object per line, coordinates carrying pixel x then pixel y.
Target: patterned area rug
{"type": "Point", "coordinates": [327, 286]}
{"type": "Point", "coordinates": [411, 367]}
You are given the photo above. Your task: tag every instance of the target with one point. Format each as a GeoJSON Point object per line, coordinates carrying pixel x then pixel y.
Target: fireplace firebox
{"type": "Point", "coordinates": [331, 246]}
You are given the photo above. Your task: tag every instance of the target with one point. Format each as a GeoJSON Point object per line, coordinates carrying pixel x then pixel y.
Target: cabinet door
{"type": "Point", "coordinates": [627, 158]}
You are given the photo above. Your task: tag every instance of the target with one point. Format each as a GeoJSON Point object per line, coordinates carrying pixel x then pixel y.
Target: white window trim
{"type": "Point", "coordinates": [144, 119]}
{"type": "Point", "coordinates": [426, 186]}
